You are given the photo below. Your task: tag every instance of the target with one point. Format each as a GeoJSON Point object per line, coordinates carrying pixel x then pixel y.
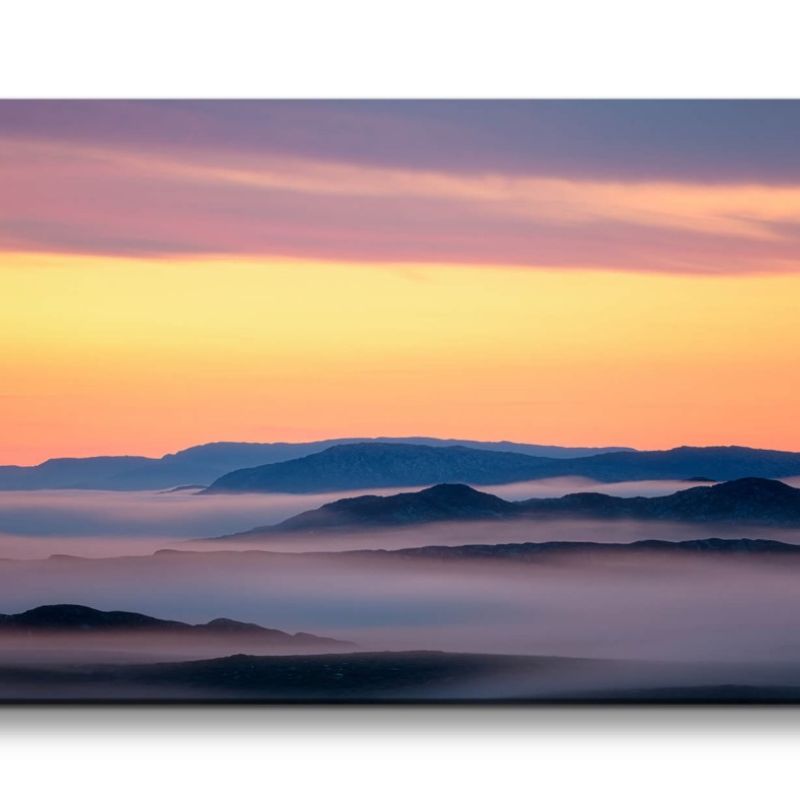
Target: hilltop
{"type": "Point", "coordinates": [204, 463]}
{"type": "Point", "coordinates": [373, 466]}
{"type": "Point", "coordinates": [747, 501]}
{"type": "Point", "coordinates": [83, 620]}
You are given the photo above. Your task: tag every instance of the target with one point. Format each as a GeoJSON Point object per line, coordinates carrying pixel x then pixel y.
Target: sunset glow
{"type": "Point", "coordinates": [157, 291]}
{"type": "Point", "coordinates": [399, 401]}
{"type": "Point", "coordinates": [134, 356]}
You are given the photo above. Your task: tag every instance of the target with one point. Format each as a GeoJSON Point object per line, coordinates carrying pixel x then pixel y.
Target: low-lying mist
{"type": "Point", "coordinates": [688, 608]}
{"type": "Point", "coordinates": [65, 512]}
{"type": "Point", "coordinates": [84, 522]}
{"type": "Point", "coordinates": [490, 532]}
{"type": "Point", "coordinates": [679, 608]}
{"type": "Point", "coordinates": [558, 487]}
{"type": "Point", "coordinates": [178, 514]}
{"type": "Point", "coordinates": [98, 648]}
{"type": "Point", "coordinates": [36, 524]}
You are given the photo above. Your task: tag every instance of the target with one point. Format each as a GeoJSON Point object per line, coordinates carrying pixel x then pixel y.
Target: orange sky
{"type": "Point", "coordinates": [560, 272]}
{"type": "Point", "coordinates": [113, 355]}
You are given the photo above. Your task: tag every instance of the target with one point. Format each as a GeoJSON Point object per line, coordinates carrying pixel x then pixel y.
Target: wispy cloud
{"type": "Point", "coordinates": [75, 197]}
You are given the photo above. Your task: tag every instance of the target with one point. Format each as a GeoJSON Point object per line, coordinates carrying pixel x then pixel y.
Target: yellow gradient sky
{"type": "Point", "coordinates": [114, 355]}
{"type": "Point", "coordinates": [561, 272]}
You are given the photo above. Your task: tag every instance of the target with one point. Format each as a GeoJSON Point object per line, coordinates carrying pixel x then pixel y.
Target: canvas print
{"type": "Point", "coordinates": [399, 401]}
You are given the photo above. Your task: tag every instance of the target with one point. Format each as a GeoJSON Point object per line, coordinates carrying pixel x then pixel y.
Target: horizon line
{"type": "Point", "coordinates": [334, 440]}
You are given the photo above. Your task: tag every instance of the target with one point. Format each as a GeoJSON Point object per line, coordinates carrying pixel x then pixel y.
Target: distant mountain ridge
{"type": "Point", "coordinates": [202, 464]}
{"type": "Point", "coordinates": [373, 466]}
{"type": "Point", "coordinates": [747, 501]}
{"type": "Point", "coordinates": [344, 464]}
{"type": "Point", "coordinates": [445, 502]}
{"type": "Point", "coordinates": [77, 619]}
{"type": "Point", "coordinates": [717, 463]}
{"type": "Point", "coordinates": [355, 466]}
{"type": "Point", "coordinates": [531, 551]}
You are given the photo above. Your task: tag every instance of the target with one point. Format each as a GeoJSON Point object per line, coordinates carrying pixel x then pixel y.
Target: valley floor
{"type": "Point", "coordinates": [407, 676]}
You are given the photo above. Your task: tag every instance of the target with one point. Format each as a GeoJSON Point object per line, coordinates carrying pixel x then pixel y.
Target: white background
{"type": "Point", "coordinates": [400, 752]}
{"type": "Point", "coordinates": [414, 48]}
{"type": "Point", "coordinates": [411, 49]}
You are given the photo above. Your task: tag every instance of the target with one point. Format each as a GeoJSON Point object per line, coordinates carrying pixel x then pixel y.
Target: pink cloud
{"type": "Point", "coordinates": [71, 198]}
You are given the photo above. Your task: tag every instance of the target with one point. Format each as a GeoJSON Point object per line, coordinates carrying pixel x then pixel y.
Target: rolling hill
{"type": "Point", "coordinates": [355, 466]}
{"type": "Point", "coordinates": [67, 619]}
{"type": "Point", "coordinates": [536, 551]}
{"type": "Point", "coordinates": [746, 501]}
{"type": "Point", "coordinates": [205, 463]}
{"type": "Point", "coordinates": [374, 466]}
{"type": "Point", "coordinates": [403, 677]}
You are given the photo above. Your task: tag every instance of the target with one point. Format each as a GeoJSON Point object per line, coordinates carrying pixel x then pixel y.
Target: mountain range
{"type": "Point", "coordinates": [743, 501]}
{"type": "Point", "coordinates": [379, 465]}
{"type": "Point", "coordinates": [348, 465]}
{"type": "Point", "coordinates": [356, 466]}
{"type": "Point", "coordinates": [205, 463]}
{"type": "Point", "coordinates": [83, 620]}
{"type": "Point", "coordinates": [534, 551]}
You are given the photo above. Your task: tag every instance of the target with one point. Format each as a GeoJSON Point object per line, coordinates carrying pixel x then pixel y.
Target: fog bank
{"type": "Point", "coordinates": [685, 608]}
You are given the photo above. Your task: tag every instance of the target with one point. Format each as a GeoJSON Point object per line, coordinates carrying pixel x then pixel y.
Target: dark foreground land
{"type": "Point", "coordinates": [403, 677]}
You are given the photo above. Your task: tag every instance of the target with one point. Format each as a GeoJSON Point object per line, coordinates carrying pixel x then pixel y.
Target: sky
{"type": "Point", "coordinates": [561, 272]}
